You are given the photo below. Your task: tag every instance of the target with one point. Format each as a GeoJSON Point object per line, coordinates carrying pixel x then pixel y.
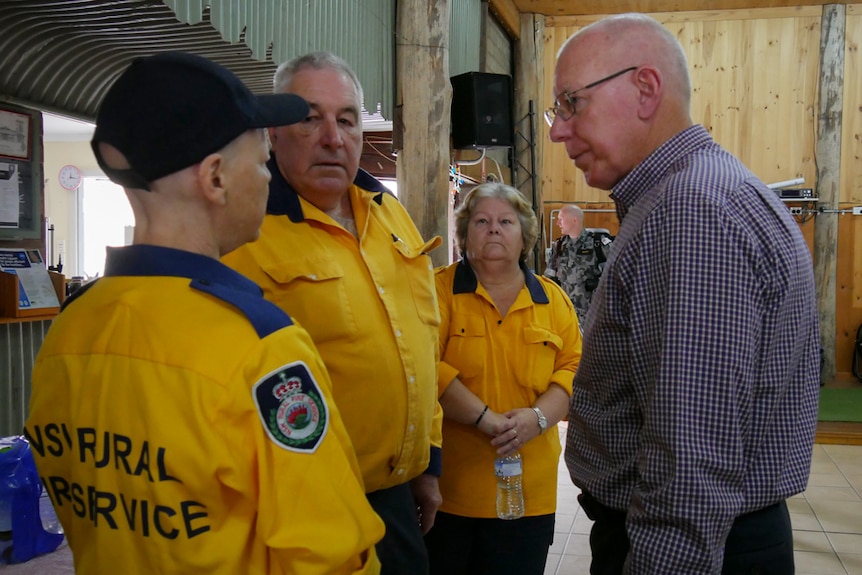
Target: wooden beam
{"type": "Point", "coordinates": [421, 123]}
{"type": "Point", "coordinates": [585, 7]}
{"type": "Point", "coordinates": [699, 16]}
{"type": "Point", "coordinates": [828, 160]}
{"type": "Point", "coordinates": [508, 15]}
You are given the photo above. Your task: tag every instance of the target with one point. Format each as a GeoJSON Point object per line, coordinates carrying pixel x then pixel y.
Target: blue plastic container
{"type": "Point", "coordinates": [20, 492]}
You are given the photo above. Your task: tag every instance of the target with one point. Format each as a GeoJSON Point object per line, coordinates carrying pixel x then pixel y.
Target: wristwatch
{"type": "Point", "coordinates": [543, 421]}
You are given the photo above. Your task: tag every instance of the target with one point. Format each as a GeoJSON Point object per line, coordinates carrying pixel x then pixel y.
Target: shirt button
{"type": "Point", "coordinates": [397, 333]}
{"type": "Point", "coordinates": [412, 379]}
{"type": "Point", "coordinates": [412, 427]}
{"type": "Point", "coordinates": [313, 276]}
{"type": "Point", "coordinates": [380, 289]}
{"type": "Point", "coordinates": [400, 472]}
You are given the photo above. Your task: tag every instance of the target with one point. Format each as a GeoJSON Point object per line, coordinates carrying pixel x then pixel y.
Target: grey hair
{"type": "Point", "coordinates": [316, 61]}
{"type": "Point", "coordinates": [526, 216]}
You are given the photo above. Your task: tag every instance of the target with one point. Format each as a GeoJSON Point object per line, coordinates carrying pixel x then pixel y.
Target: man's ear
{"type": "Point", "coordinates": [650, 84]}
{"type": "Point", "coordinates": [213, 179]}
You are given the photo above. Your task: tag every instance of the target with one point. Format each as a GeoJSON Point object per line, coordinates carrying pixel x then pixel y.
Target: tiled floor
{"type": "Point", "coordinates": [827, 519]}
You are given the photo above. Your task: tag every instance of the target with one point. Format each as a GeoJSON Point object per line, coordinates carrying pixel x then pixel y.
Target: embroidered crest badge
{"type": "Point", "coordinates": [292, 408]}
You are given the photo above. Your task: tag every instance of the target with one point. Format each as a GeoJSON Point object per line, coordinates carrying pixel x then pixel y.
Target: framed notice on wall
{"type": "Point", "coordinates": [21, 179]}
{"type": "Point", "coordinates": [14, 134]}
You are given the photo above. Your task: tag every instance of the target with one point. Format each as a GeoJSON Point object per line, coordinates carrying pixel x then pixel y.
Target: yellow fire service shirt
{"type": "Point", "coordinates": [507, 362]}
{"type": "Point", "coordinates": [370, 307]}
{"type": "Point", "coordinates": [182, 424]}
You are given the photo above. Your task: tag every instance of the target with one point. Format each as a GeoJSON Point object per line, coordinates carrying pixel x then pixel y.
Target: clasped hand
{"type": "Point", "coordinates": [510, 430]}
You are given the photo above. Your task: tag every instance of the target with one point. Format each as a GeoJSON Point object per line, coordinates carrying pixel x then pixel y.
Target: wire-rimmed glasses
{"type": "Point", "coordinates": [565, 102]}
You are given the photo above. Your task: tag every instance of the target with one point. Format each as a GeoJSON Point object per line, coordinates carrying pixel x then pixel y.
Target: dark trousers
{"type": "Point", "coordinates": [759, 543]}
{"type": "Point", "coordinates": [472, 546]}
{"type": "Point", "coordinates": [401, 551]}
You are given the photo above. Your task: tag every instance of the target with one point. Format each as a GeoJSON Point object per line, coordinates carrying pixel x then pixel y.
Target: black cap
{"type": "Point", "coordinates": [170, 111]}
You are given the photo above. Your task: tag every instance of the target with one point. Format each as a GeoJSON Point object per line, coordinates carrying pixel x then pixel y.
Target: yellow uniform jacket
{"type": "Point", "coordinates": [370, 307]}
{"type": "Point", "coordinates": [182, 424]}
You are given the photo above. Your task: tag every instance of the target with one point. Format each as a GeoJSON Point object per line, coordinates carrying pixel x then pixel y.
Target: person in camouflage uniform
{"type": "Point", "coordinates": [576, 259]}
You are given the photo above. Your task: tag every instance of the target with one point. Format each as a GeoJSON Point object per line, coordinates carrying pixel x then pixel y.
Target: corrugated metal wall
{"type": "Point", "coordinates": [19, 344]}
{"type": "Point", "coordinates": [465, 36]}
{"type": "Point", "coordinates": [360, 32]}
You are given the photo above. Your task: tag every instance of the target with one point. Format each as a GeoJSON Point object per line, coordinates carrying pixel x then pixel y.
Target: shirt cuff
{"type": "Point", "coordinates": [445, 374]}
{"type": "Point", "coordinates": [435, 465]}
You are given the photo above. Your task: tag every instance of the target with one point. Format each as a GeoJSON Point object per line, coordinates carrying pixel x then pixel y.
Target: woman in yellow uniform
{"type": "Point", "coordinates": [509, 347]}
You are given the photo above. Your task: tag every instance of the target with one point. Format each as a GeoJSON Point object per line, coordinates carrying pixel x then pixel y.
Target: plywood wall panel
{"type": "Point", "coordinates": [851, 141]}
{"type": "Point", "coordinates": [754, 87]}
{"type": "Point", "coordinates": [848, 295]}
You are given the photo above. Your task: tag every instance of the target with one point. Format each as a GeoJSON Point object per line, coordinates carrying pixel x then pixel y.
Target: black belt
{"type": "Point", "coordinates": [596, 510]}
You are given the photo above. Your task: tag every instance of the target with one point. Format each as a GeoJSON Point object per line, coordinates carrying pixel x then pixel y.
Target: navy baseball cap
{"type": "Point", "coordinates": [169, 111]}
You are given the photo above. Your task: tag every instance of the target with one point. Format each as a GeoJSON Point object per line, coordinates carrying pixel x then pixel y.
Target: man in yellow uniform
{"type": "Point", "coordinates": [180, 422]}
{"type": "Point", "coordinates": [341, 255]}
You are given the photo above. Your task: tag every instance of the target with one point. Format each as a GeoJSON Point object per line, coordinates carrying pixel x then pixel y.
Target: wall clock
{"type": "Point", "coordinates": [70, 177]}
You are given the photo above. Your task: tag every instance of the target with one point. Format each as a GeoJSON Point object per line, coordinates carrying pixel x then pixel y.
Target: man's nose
{"type": "Point", "coordinates": [330, 135]}
{"type": "Point", "coordinates": [559, 129]}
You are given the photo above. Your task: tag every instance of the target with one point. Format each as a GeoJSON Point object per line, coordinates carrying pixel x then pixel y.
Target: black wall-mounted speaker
{"type": "Point", "coordinates": [481, 111]}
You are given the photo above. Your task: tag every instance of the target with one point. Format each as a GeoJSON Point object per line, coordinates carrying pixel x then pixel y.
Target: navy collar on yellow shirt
{"type": "Point", "coordinates": [284, 201]}
{"type": "Point", "coordinates": [207, 275]}
{"type": "Point", "coordinates": [147, 260]}
{"type": "Point", "coordinates": [466, 282]}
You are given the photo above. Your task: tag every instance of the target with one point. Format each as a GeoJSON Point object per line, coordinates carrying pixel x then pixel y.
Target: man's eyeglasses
{"type": "Point", "coordinates": [564, 105]}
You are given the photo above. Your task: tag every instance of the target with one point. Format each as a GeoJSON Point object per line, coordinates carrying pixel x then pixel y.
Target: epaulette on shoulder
{"type": "Point", "coordinates": [78, 293]}
{"type": "Point", "coordinates": [265, 316]}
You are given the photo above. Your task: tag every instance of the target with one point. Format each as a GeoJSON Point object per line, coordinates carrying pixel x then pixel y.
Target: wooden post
{"type": "Point", "coordinates": [421, 123]}
{"type": "Point", "coordinates": [828, 160]}
{"type": "Point", "coordinates": [529, 87]}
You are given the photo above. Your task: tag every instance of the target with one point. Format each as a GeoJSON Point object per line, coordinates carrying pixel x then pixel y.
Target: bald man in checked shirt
{"type": "Point", "coordinates": [695, 403]}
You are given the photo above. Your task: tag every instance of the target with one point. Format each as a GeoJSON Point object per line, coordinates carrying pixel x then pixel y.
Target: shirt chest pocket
{"type": "Point", "coordinates": [420, 274]}
{"type": "Point", "coordinates": [540, 352]}
{"type": "Point", "coordinates": [314, 293]}
{"type": "Point", "coordinates": [465, 348]}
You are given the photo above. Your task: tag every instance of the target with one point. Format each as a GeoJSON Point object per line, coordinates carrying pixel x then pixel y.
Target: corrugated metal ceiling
{"type": "Point", "coordinates": [62, 55]}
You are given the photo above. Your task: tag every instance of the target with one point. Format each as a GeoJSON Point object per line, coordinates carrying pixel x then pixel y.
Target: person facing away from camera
{"type": "Point", "coordinates": [335, 239]}
{"type": "Point", "coordinates": [694, 406]}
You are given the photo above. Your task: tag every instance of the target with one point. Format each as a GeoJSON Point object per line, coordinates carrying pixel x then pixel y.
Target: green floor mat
{"type": "Point", "coordinates": [837, 404]}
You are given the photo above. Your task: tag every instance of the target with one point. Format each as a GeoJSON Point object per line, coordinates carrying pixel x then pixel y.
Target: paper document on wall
{"type": "Point", "coordinates": [35, 288]}
{"type": "Point", "coordinates": [10, 196]}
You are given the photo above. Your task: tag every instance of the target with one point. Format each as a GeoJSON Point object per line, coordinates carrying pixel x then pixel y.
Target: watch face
{"type": "Point", "coordinates": [543, 421]}
{"type": "Point", "coordinates": [70, 177]}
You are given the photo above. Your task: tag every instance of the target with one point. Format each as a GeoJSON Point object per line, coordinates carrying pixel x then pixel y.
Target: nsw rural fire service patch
{"type": "Point", "coordinates": [292, 408]}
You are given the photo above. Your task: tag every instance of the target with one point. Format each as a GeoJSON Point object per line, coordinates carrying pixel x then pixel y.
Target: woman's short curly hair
{"type": "Point", "coordinates": [526, 216]}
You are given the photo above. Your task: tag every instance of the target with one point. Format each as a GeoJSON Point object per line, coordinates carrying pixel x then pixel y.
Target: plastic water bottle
{"type": "Point", "coordinates": [50, 523]}
{"type": "Point", "coordinates": [510, 494]}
